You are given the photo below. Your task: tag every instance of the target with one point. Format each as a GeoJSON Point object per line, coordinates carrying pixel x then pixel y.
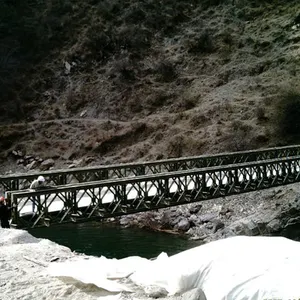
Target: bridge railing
{"type": "Point", "coordinates": [96, 173]}
{"type": "Point", "coordinates": [107, 198]}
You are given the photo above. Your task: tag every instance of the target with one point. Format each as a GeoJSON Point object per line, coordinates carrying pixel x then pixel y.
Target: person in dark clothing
{"type": "Point", "coordinates": [5, 213]}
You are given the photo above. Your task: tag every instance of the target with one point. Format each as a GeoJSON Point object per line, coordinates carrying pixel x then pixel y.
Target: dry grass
{"type": "Point", "coordinates": [186, 73]}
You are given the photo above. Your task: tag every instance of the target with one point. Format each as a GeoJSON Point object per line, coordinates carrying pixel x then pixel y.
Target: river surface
{"type": "Point", "coordinates": [112, 241]}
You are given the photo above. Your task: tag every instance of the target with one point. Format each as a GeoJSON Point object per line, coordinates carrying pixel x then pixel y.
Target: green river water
{"type": "Point", "coordinates": [112, 241]}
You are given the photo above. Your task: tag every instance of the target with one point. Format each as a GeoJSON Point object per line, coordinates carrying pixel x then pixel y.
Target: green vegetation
{"type": "Point", "coordinates": [288, 112]}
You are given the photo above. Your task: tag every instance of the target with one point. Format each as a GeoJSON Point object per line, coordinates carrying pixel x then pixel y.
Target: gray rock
{"type": "Point", "coordinates": [47, 164]}
{"type": "Point", "coordinates": [227, 233]}
{"type": "Point", "coordinates": [265, 217]}
{"type": "Point", "coordinates": [197, 233]}
{"type": "Point", "coordinates": [155, 291]}
{"type": "Point", "coordinates": [250, 227]}
{"type": "Point", "coordinates": [192, 232]}
{"type": "Point", "coordinates": [225, 210]}
{"type": "Point", "coordinates": [237, 228]}
{"type": "Point", "coordinates": [218, 224]}
{"type": "Point", "coordinates": [169, 214]}
{"type": "Point", "coordinates": [209, 226]}
{"type": "Point", "coordinates": [71, 166]}
{"type": "Point", "coordinates": [193, 219]}
{"type": "Point", "coordinates": [32, 165]}
{"type": "Point", "coordinates": [194, 294]}
{"type": "Point", "coordinates": [198, 237]}
{"type": "Point", "coordinates": [195, 209]}
{"type": "Point", "coordinates": [228, 215]}
{"type": "Point", "coordinates": [183, 225]}
{"type": "Point", "coordinates": [27, 157]}
{"type": "Point", "coordinates": [246, 227]}
{"type": "Point", "coordinates": [207, 217]}
{"type": "Point", "coordinates": [18, 153]}
{"type": "Point", "coordinates": [83, 113]}
{"type": "Point", "coordinates": [77, 163]}
{"type": "Point", "coordinates": [274, 226]}
{"type": "Point", "coordinates": [20, 161]}
{"type": "Point", "coordinates": [175, 221]}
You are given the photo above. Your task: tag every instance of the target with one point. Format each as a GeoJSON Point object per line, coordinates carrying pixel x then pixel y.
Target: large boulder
{"type": "Point", "coordinates": [183, 225]}
{"type": "Point", "coordinates": [47, 164]}
{"type": "Point", "coordinates": [194, 294]}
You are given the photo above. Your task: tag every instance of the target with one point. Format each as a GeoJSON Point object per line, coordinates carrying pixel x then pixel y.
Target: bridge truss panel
{"type": "Point", "coordinates": [89, 174]}
{"type": "Point", "coordinates": [110, 198]}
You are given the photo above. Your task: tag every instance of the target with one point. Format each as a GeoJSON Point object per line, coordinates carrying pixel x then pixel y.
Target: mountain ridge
{"type": "Point", "coordinates": [163, 79]}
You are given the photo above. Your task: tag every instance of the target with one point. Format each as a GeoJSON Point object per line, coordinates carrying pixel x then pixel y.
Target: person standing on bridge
{"type": "Point", "coordinates": [38, 183]}
{"type": "Point", "coordinates": [35, 185]}
{"type": "Point", "coordinates": [5, 213]}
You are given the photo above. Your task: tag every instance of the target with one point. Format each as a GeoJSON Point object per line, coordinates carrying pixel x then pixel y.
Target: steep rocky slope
{"type": "Point", "coordinates": [120, 81]}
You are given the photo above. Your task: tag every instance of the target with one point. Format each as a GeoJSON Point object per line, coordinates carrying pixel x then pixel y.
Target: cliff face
{"type": "Point", "coordinates": [138, 80]}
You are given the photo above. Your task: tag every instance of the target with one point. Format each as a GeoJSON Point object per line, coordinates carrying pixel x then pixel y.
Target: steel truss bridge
{"type": "Point", "coordinates": [106, 198]}
{"type": "Point", "coordinates": [76, 175]}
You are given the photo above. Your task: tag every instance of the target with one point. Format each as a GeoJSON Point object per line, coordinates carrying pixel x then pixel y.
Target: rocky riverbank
{"type": "Point", "coordinates": [24, 260]}
{"type": "Point", "coordinates": [273, 211]}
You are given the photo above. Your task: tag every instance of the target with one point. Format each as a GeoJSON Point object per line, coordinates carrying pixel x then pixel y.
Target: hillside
{"type": "Point", "coordinates": [117, 81]}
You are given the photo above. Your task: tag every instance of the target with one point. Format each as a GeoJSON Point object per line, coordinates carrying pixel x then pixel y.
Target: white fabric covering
{"type": "Point", "coordinates": [237, 268]}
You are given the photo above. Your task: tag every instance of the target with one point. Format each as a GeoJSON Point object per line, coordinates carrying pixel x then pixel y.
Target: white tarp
{"type": "Point", "coordinates": [237, 268]}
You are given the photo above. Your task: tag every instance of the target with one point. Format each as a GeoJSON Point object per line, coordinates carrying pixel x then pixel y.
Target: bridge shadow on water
{"type": "Point", "coordinates": [111, 241]}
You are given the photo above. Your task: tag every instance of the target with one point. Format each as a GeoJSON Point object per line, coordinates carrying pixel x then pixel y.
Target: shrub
{"type": "Point", "coordinates": [201, 44]}
{"type": "Point", "coordinates": [261, 114]}
{"type": "Point", "coordinates": [8, 71]}
{"type": "Point", "coordinates": [134, 105]}
{"type": "Point", "coordinates": [198, 120]}
{"type": "Point", "coordinates": [208, 3]}
{"type": "Point", "coordinates": [75, 98]}
{"type": "Point", "coordinates": [166, 71]}
{"type": "Point", "coordinates": [133, 38]}
{"type": "Point", "coordinates": [101, 41]}
{"type": "Point", "coordinates": [227, 39]}
{"type": "Point", "coordinates": [175, 146]}
{"type": "Point", "coordinates": [107, 41]}
{"type": "Point", "coordinates": [157, 99]}
{"type": "Point", "coordinates": [125, 69]}
{"type": "Point", "coordinates": [108, 9]}
{"type": "Point", "coordinates": [288, 112]}
{"type": "Point", "coordinates": [236, 140]}
{"type": "Point", "coordinates": [135, 14]}
{"type": "Point", "coordinates": [188, 103]}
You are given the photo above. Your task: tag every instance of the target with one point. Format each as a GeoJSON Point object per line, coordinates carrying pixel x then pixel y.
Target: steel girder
{"type": "Point", "coordinates": [109, 198]}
